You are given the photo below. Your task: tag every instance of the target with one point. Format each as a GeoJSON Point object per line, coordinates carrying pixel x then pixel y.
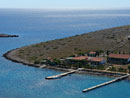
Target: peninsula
{"type": "Point", "coordinates": [80, 51]}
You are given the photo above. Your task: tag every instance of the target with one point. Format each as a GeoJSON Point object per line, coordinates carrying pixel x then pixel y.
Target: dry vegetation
{"type": "Point", "coordinates": [110, 39]}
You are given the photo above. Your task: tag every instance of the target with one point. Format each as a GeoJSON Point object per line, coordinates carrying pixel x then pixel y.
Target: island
{"type": "Point", "coordinates": [6, 35]}
{"type": "Point", "coordinates": [104, 51]}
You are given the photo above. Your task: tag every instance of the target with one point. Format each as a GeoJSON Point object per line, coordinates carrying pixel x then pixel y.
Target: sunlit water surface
{"type": "Point", "coordinates": [33, 26]}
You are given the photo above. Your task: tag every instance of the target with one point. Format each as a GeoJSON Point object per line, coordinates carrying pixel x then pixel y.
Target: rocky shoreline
{"type": "Point", "coordinates": [11, 55]}
{"type": "Point", "coordinates": [6, 35]}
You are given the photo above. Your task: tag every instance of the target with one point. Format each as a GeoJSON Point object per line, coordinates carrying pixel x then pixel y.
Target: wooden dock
{"type": "Point", "coordinates": [106, 83]}
{"type": "Point", "coordinates": [61, 75]}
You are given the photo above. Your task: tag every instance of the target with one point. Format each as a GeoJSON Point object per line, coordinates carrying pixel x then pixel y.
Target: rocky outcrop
{"type": "Point", "coordinates": [6, 35]}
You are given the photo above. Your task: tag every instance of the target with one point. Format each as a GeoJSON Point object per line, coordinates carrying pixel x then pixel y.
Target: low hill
{"type": "Point", "coordinates": [113, 39]}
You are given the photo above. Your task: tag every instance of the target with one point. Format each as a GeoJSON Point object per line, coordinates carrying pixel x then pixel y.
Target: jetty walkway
{"type": "Point", "coordinates": [61, 75]}
{"type": "Point", "coordinates": [43, 66]}
{"type": "Point", "coordinates": [106, 83]}
{"type": "Point", "coordinates": [91, 88]}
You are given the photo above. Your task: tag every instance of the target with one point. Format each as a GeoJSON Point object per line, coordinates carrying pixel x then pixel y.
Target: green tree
{"type": "Point", "coordinates": [129, 68]}
{"type": "Point", "coordinates": [122, 70]}
{"type": "Point", "coordinates": [108, 52]}
{"type": "Point", "coordinates": [72, 56]}
{"type": "Point", "coordinates": [36, 62]}
{"type": "Point", "coordinates": [57, 61]}
{"type": "Point", "coordinates": [112, 68]}
{"type": "Point", "coordinates": [97, 53]}
{"type": "Point", "coordinates": [100, 67]}
{"type": "Point", "coordinates": [81, 53]}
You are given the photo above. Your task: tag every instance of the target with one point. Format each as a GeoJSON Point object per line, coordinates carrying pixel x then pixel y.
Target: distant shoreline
{"type": "Point", "coordinates": [6, 36]}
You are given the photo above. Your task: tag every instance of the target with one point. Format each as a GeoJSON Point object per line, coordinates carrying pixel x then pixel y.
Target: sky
{"type": "Point", "coordinates": [66, 4]}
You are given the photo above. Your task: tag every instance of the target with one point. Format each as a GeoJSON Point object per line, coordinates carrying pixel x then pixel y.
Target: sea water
{"type": "Point", "coordinates": [34, 26]}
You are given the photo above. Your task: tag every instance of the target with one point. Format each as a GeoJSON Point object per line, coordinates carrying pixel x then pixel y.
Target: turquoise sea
{"type": "Point", "coordinates": [34, 26]}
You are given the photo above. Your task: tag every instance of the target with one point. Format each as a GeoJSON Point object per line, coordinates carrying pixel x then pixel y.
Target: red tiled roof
{"type": "Point", "coordinates": [95, 59]}
{"type": "Point", "coordinates": [80, 58]}
{"type": "Point", "coordinates": [120, 56]}
{"type": "Point", "coordinates": [92, 52]}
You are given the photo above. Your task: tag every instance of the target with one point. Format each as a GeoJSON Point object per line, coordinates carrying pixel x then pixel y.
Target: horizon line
{"type": "Point", "coordinates": [70, 8]}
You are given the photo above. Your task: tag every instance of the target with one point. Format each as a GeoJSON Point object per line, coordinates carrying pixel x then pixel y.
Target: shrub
{"type": "Point", "coordinates": [33, 58]}
{"type": "Point", "coordinates": [41, 55]}
{"type": "Point", "coordinates": [75, 48]}
{"type": "Point", "coordinates": [81, 53]}
{"type": "Point", "coordinates": [72, 56]}
{"type": "Point", "coordinates": [100, 67]}
{"type": "Point", "coordinates": [57, 61]}
{"type": "Point", "coordinates": [129, 68]}
{"type": "Point", "coordinates": [21, 51]}
{"type": "Point", "coordinates": [36, 62]}
{"type": "Point", "coordinates": [44, 46]}
{"type": "Point", "coordinates": [112, 69]}
{"type": "Point", "coordinates": [63, 43]}
{"type": "Point", "coordinates": [122, 70]}
{"type": "Point", "coordinates": [47, 48]}
{"type": "Point", "coordinates": [55, 48]}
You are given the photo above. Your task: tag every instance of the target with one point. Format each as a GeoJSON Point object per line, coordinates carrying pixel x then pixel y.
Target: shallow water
{"type": "Point", "coordinates": [33, 26]}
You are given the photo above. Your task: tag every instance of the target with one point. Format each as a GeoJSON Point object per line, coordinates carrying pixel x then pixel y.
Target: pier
{"type": "Point", "coordinates": [61, 75]}
{"type": "Point", "coordinates": [43, 66]}
{"type": "Point", "coordinates": [106, 83]}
